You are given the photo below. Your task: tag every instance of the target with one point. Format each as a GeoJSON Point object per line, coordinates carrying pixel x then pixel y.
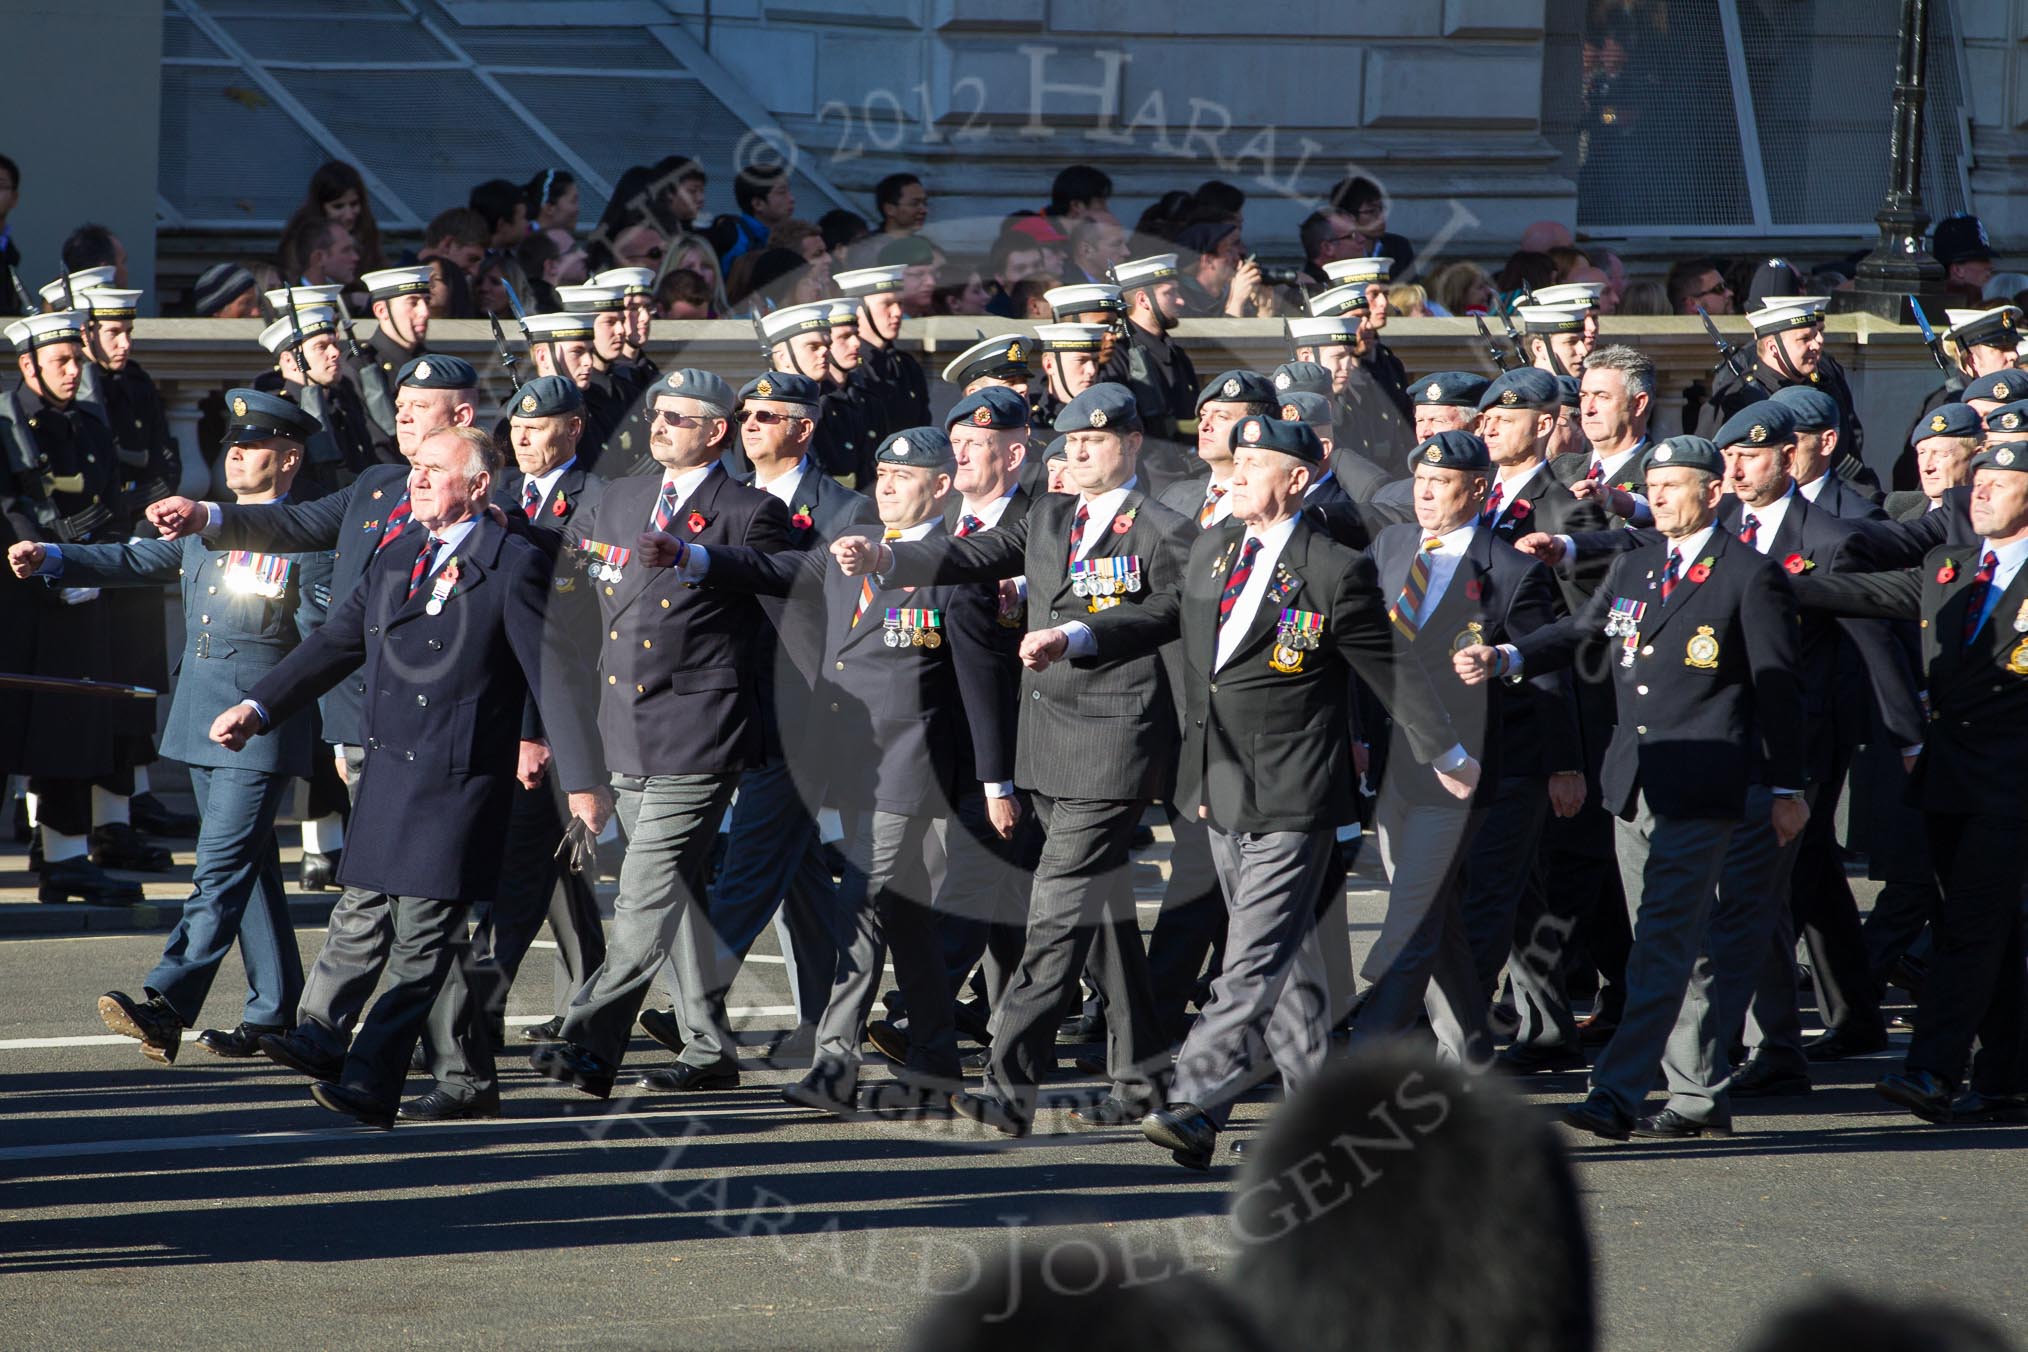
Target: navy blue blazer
{"type": "Point", "coordinates": [443, 714]}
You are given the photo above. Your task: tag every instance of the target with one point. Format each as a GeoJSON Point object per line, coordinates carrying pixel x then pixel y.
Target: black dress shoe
{"type": "Point", "coordinates": [149, 813]}
{"type": "Point", "coordinates": [1185, 1132]}
{"type": "Point", "coordinates": [661, 1025]}
{"type": "Point", "coordinates": [1840, 1043]}
{"type": "Point", "coordinates": [1601, 1117]}
{"type": "Point", "coordinates": [1909, 974]}
{"type": "Point", "coordinates": [119, 845]}
{"type": "Point", "coordinates": [889, 1041]}
{"type": "Point", "coordinates": [82, 880]}
{"type": "Point", "coordinates": [441, 1105]}
{"type": "Point", "coordinates": [907, 1099]}
{"type": "Point", "coordinates": [299, 1054]}
{"type": "Point", "coordinates": [353, 1104]}
{"type": "Point", "coordinates": [549, 1030]}
{"type": "Point", "coordinates": [1081, 1028]}
{"type": "Point", "coordinates": [1595, 1030]}
{"type": "Point", "coordinates": [988, 1110]}
{"type": "Point", "coordinates": [688, 1079]}
{"type": "Point", "coordinates": [151, 1022]}
{"type": "Point", "coordinates": [319, 872]}
{"type": "Point", "coordinates": [1758, 1079]}
{"type": "Point", "coordinates": [1922, 1093]}
{"type": "Point", "coordinates": [568, 1063]}
{"type": "Point", "coordinates": [1670, 1125]}
{"type": "Point", "coordinates": [1110, 1111]}
{"type": "Point", "coordinates": [1972, 1106]}
{"type": "Point", "coordinates": [237, 1044]}
{"type": "Point", "coordinates": [971, 1022]}
{"type": "Point", "coordinates": [1526, 1058]}
{"type": "Point", "coordinates": [977, 1060]}
{"type": "Point", "coordinates": [819, 1090]}
{"type": "Point", "coordinates": [1143, 837]}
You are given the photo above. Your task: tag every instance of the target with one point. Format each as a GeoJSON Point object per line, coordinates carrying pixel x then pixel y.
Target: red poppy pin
{"type": "Point", "coordinates": [696, 522]}
{"type": "Point", "coordinates": [1520, 510]}
{"type": "Point", "coordinates": [1474, 589]}
{"type": "Point", "coordinates": [560, 506]}
{"type": "Point", "coordinates": [801, 520]}
{"type": "Point", "coordinates": [1699, 571]}
{"type": "Point", "coordinates": [1796, 563]}
{"type": "Point", "coordinates": [1948, 573]}
{"type": "Point", "coordinates": [1123, 523]}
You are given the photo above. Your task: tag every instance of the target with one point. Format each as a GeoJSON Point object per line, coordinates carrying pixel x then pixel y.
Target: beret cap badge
{"type": "Point", "coordinates": [239, 408]}
{"type": "Point", "coordinates": [1434, 392]}
{"type": "Point", "coordinates": [1758, 434]}
{"type": "Point", "coordinates": [422, 370]}
{"type": "Point", "coordinates": [1508, 398]}
{"type": "Point", "coordinates": [764, 387]}
{"type": "Point", "coordinates": [982, 416]}
{"type": "Point", "coordinates": [528, 403]}
{"type": "Point", "coordinates": [1937, 424]}
{"type": "Point", "coordinates": [1999, 389]}
{"type": "Point", "coordinates": [1433, 454]}
{"type": "Point", "coordinates": [2003, 456]}
{"type": "Point", "coordinates": [1231, 388]}
{"type": "Point", "coordinates": [1251, 432]}
{"type": "Point", "coordinates": [1282, 381]}
{"type": "Point", "coordinates": [2010, 421]}
{"type": "Point", "coordinates": [1290, 413]}
{"type": "Point", "coordinates": [675, 380]}
{"type": "Point", "coordinates": [1664, 453]}
{"type": "Point", "coordinates": [1098, 417]}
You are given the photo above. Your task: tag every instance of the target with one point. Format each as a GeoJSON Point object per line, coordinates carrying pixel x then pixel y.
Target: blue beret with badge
{"type": "Point", "coordinates": [257, 417]}
{"type": "Point", "coordinates": [546, 397]}
{"type": "Point", "coordinates": [1766, 423]}
{"type": "Point", "coordinates": [1815, 411]}
{"type": "Point", "coordinates": [1687, 453]}
{"type": "Point", "coordinates": [706, 387]}
{"type": "Point", "coordinates": [1304, 407]}
{"type": "Point", "coordinates": [1302, 375]}
{"type": "Point", "coordinates": [1569, 391]}
{"type": "Point", "coordinates": [1449, 389]}
{"type": "Point", "coordinates": [1273, 434]}
{"type": "Point", "coordinates": [1059, 449]}
{"type": "Point", "coordinates": [2009, 418]}
{"type": "Point", "coordinates": [1523, 387]}
{"type": "Point", "coordinates": [782, 387]}
{"type": "Point", "coordinates": [1951, 420]}
{"type": "Point", "coordinates": [1455, 449]}
{"type": "Point", "coordinates": [436, 371]}
{"type": "Point", "coordinates": [1237, 387]}
{"type": "Point", "coordinates": [2001, 387]}
{"type": "Point", "coordinates": [2002, 457]}
{"type": "Point", "coordinates": [995, 407]}
{"type": "Point", "coordinates": [1105, 407]}
{"type": "Point", "coordinates": [917, 448]}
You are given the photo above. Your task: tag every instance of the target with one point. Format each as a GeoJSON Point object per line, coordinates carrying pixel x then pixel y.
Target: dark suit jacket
{"type": "Point", "coordinates": [442, 720]}
{"type": "Point", "coordinates": [1976, 740]}
{"type": "Point", "coordinates": [572, 498]}
{"type": "Point", "coordinates": [1842, 500]}
{"type": "Point", "coordinates": [885, 722]}
{"type": "Point", "coordinates": [1266, 749]}
{"type": "Point", "coordinates": [1096, 727]}
{"type": "Point", "coordinates": [1496, 595]}
{"type": "Point", "coordinates": [1692, 737]}
{"type": "Point", "coordinates": [1904, 543]}
{"type": "Point", "coordinates": [679, 674]}
{"type": "Point", "coordinates": [350, 522]}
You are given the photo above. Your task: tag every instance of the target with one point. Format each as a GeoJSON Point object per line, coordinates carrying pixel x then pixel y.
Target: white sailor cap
{"type": "Point", "coordinates": [558, 326]}
{"type": "Point", "coordinates": [591, 300]}
{"type": "Point", "coordinates": [1570, 295]}
{"type": "Point", "coordinates": [778, 326]}
{"type": "Point", "coordinates": [1550, 318]}
{"type": "Point", "coordinates": [839, 313]}
{"type": "Point", "coordinates": [1139, 272]}
{"type": "Point", "coordinates": [1340, 300]}
{"type": "Point", "coordinates": [305, 296]}
{"type": "Point", "coordinates": [1071, 337]}
{"type": "Point", "coordinates": [1083, 298]}
{"type": "Point", "coordinates": [64, 291]}
{"type": "Point", "coordinates": [870, 281]}
{"type": "Point", "coordinates": [1997, 327]}
{"type": "Point", "coordinates": [1323, 329]}
{"type": "Point", "coordinates": [104, 302]}
{"type": "Point", "coordinates": [306, 322]}
{"type": "Point", "coordinates": [633, 281]}
{"type": "Point", "coordinates": [57, 326]}
{"type": "Point", "coordinates": [1787, 312]}
{"type": "Point", "coordinates": [1004, 354]}
{"type": "Point", "coordinates": [1361, 270]}
{"type": "Point", "coordinates": [386, 283]}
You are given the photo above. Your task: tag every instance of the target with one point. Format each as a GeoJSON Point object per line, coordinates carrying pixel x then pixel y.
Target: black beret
{"type": "Point", "coordinates": [1951, 420]}
{"type": "Point", "coordinates": [1302, 406]}
{"type": "Point", "coordinates": [437, 371]}
{"type": "Point", "coordinates": [546, 397]}
{"type": "Point", "coordinates": [1569, 391]}
{"type": "Point", "coordinates": [2000, 387]}
{"type": "Point", "coordinates": [1523, 387]}
{"type": "Point", "coordinates": [1766, 423]}
{"type": "Point", "coordinates": [1687, 453]}
{"type": "Point", "coordinates": [787, 387]}
{"type": "Point", "coordinates": [995, 407]}
{"type": "Point", "coordinates": [1449, 389]}
{"type": "Point", "coordinates": [1272, 434]}
{"type": "Point", "coordinates": [1059, 449]}
{"type": "Point", "coordinates": [916, 447]}
{"type": "Point", "coordinates": [1237, 387]}
{"type": "Point", "coordinates": [1302, 375]}
{"type": "Point", "coordinates": [1815, 411]}
{"type": "Point", "coordinates": [2009, 417]}
{"type": "Point", "coordinates": [1105, 407]}
{"type": "Point", "coordinates": [257, 416]}
{"type": "Point", "coordinates": [1454, 449]}
{"type": "Point", "coordinates": [706, 387]}
{"type": "Point", "coordinates": [2001, 457]}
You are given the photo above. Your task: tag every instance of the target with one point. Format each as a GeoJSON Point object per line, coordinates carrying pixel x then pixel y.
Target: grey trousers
{"type": "Point", "coordinates": [670, 822]}
{"type": "Point", "coordinates": [1422, 963]}
{"type": "Point", "coordinates": [424, 939]}
{"type": "Point", "coordinates": [885, 904]}
{"type": "Point", "coordinates": [341, 980]}
{"type": "Point", "coordinates": [1081, 905]}
{"type": "Point", "coordinates": [1270, 1003]}
{"type": "Point", "coordinates": [1671, 868]}
{"type": "Point", "coordinates": [1774, 1025]}
{"type": "Point", "coordinates": [1499, 871]}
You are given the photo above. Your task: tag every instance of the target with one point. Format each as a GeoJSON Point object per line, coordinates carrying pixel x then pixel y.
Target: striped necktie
{"type": "Point", "coordinates": [1976, 594]}
{"type": "Point", "coordinates": [1493, 500]}
{"type": "Point", "coordinates": [967, 524]}
{"type": "Point", "coordinates": [423, 563]}
{"type": "Point", "coordinates": [1406, 613]}
{"type": "Point", "coordinates": [1235, 582]}
{"type": "Point", "coordinates": [1670, 572]}
{"type": "Point", "coordinates": [397, 521]}
{"type": "Point", "coordinates": [1749, 531]}
{"type": "Point", "coordinates": [865, 599]}
{"type": "Point", "coordinates": [1597, 471]}
{"type": "Point", "coordinates": [1077, 531]}
{"type": "Point", "coordinates": [1209, 510]}
{"type": "Point", "coordinates": [531, 498]}
{"type": "Point", "coordinates": [665, 506]}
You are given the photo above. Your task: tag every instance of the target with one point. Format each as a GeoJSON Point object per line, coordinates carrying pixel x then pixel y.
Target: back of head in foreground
{"type": "Point", "coordinates": [1849, 1322]}
{"type": "Point", "coordinates": [1399, 1203]}
{"type": "Point", "coordinates": [1086, 1292]}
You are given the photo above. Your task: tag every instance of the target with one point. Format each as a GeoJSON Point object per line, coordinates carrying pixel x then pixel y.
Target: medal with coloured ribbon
{"type": "Point", "coordinates": [606, 561]}
{"type": "Point", "coordinates": [1296, 632]}
{"type": "Point", "coordinates": [912, 628]}
{"type": "Point", "coordinates": [1104, 581]}
{"type": "Point", "coordinates": [441, 587]}
{"type": "Point", "coordinates": [258, 574]}
{"type": "Point", "coordinates": [1624, 624]}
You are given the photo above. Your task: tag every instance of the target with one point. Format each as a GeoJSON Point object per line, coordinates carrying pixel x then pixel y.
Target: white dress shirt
{"type": "Point", "coordinates": [1814, 487]}
{"type": "Point", "coordinates": [686, 484]}
{"type": "Point", "coordinates": [784, 485]}
{"type": "Point", "coordinates": [1272, 540]}
{"type": "Point", "coordinates": [2008, 563]}
{"type": "Point", "coordinates": [1770, 518]}
{"type": "Point", "coordinates": [989, 513]}
{"type": "Point", "coordinates": [1099, 514]}
{"type": "Point", "coordinates": [1223, 507]}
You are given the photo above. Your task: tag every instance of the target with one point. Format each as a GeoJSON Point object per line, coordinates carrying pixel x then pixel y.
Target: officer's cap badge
{"type": "Point", "coordinates": [1937, 424]}
{"type": "Point", "coordinates": [528, 403]}
{"type": "Point", "coordinates": [1758, 435]}
{"type": "Point", "coordinates": [1250, 433]}
{"type": "Point", "coordinates": [1231, 389]}
{"type": "Point", "coordinates": [422, 370]}
{"type": "Point", "coordinates": [239, 408]}
{"type": "Point", "coordinates": [1098, 417]}
{"type": "Point", "coordinates": [1434, 392]}
{"type": "Point", "coordinates": [1508, 398]}
{"type": "Point", "coordinates": [1290, 413]}
{"type": "Point", "coordinates": [764, 387]}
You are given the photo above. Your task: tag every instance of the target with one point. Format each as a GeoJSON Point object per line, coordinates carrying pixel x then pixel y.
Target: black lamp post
{"type": "Point", "coordinates": [1900, 265]}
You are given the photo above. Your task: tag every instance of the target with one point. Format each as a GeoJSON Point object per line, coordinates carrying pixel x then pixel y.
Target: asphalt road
{"type": "Point", "coordinates": [211, 1204]}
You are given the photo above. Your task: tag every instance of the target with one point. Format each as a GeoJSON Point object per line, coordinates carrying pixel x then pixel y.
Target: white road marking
{"type": "Point", "coordinates": [29, 1044]}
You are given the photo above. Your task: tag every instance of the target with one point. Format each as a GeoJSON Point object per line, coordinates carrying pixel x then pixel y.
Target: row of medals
{"type": "Point", "coordinates": [895, 636]}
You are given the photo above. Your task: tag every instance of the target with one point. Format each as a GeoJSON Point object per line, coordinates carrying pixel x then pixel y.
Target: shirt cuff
{"type": "Point", "coordinates": [998, 788]}
{"type": "Point", "coordinates": [696, 563]}
{"type": "Point", "coordinates": [1915, 750]}
{"type": "Point", "coordinates": [1453, 759]}
{"type": "Point", "coordinates": [1569, 544]}
{"type": "Point", "coordinates": [1510, 661]}
{"type": "Point", "coordinates": [212, 520]}
{"type": "Point", "coordinates": [1349, 831]}
{"type": "Point", "coordinates": [1079, 640]}
{"type": "Point", "coordinates": [52, 562]}
{"type": "Point", "coordinates": [1644, 516]}
{"type": "Point", "coordinates": [1786, 793]}
{"type": "Point", "coordinates": [260, 709]}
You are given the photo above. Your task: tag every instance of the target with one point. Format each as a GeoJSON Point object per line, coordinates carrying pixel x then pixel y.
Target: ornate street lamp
{"type": "Point", "coordinates": [1900, 264]}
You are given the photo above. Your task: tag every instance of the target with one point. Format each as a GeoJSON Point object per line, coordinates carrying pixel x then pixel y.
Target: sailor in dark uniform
{"type": "Point", "coordinates": [311, 365]}
{"type": "Point", "coordinates": [1983, 343]}
{"type": "Point", "coordinates": [1156, 368]}
{"type": "Point", "coordinates": [1071, 357]}
{"type": "Point", "coordinates": [401, 312]}
{"type": "Point", "coordinates": [798, 339]}
{"type": "Point", "coordinates": [1788, 349]}
{"type": "Point", "coordinates": [895, 377]}
{"type": "Point", "coordinates": [560, 343]}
